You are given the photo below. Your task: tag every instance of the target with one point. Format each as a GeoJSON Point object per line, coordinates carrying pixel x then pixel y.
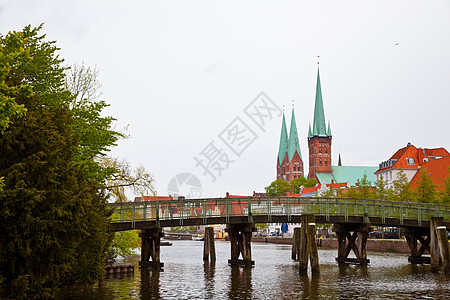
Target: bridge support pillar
{"type": "Point", "coordinates": [209, 249]}
{"type": "Point", "coordinates": [240, 236]}
{"type": "Point", "coordinates": [352, 237]}
{"type": "Point", "coordinates": [439, 251]}
{"type": "Point", "coordinates": [151, 248]}
{"type": "Point", "coordinates": [307, 248]}
{"type": "Point", "coordinates": [413, 235]}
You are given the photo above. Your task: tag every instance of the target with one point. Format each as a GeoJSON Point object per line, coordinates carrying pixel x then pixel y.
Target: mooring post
{"type": "Point", "coordinates": [209, 250]}
{"type": "Point", "coordinates": [296, 243]}
{"type": "Point", "coordinates": [439, 250]}
{"type": "Point", "coordinates": [307, 248]}
{"type": "Point", "coordinates": [312, 244]}
{"type": "Point", "coordinates": [303, 248]}
{"type": "Point", "coordinates": [151, 248]}
{"type": "Point", "coordinates": [240, 239]}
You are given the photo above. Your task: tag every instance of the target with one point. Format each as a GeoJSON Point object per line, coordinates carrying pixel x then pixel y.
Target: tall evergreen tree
{"type": "Point", "coordinates": [53, 214]}
{"type": "Point", "coordinates": [426, 189]}
{"type": "Point", "coordinates": [402, 190]}
{"type": "Point", "coordinates": [445, 194]}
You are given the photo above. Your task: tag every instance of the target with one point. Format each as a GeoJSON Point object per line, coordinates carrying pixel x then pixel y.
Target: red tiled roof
{"type": "Point", "coordinates": [417, 154]}
{"type": "Point", "coordinates": [437, 169]}
{"type": "Point", "coordinates": [152, 198]}
{"type": "Point", "coordinates": [338, 185]}
{"type": "Point", "coordinates": [313, 189]}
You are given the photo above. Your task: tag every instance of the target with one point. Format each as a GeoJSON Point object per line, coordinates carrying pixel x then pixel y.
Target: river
{"type": "Point", "coordinates": [274, 276]}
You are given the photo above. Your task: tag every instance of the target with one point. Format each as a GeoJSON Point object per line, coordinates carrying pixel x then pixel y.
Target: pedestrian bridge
{"type": "Point", "coordinates": [426, 225]}
{"type": "Point", "coordinates": [152, 214]}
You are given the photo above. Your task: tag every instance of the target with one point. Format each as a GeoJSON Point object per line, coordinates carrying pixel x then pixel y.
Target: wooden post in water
{"type": "Point", "coordinates": [312, 244]}
{"type": "Point", "coordinates": [296, 243]}
{"type": "Point", "coordinates": [151, 248]}
{"type": "Point", "coordinates": [308, 245]}
{"type": "Point", "coordinates": [209, 250]}
{"type": "Point", "coordinates": [240, 239]}
{"type": "Point", "coordinates": [439, 252]}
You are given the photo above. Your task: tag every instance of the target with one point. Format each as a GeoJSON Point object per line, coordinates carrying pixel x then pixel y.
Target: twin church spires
{"type": "Point", "coordinates": [289, 162]}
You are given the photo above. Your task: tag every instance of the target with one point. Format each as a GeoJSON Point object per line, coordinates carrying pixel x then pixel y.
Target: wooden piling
{"type": "Point", "coordinates": [422, 235]}
{"type": "Point", "coordinates": [312, 245]}
{"type": "Point", "coordinates": [439, 250]}
{"type": "Point", "coordinates": [307, 248]}
{"type": "Point", "coordinates": [296, 243]}
{"type": "Point", "coordinates": [240, 240]}
{"type": "Point", "coordinates": [209, 250]}
{"type": "Point", "coordinates": [352, 237]}
{"type": "Point", "coordinates": [151, 248]}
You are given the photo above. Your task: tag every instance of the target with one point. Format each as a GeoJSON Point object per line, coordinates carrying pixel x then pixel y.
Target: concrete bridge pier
{"type": "Point", "coordinates": [352, 237]}
{"type": "Point", "coordinates": [240, 236]}
{"type": "Point", "coordinates": [151, 248]}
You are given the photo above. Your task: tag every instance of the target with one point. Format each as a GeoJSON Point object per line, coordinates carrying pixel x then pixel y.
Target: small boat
{"type": "Point", "coordinates": [198, 237]}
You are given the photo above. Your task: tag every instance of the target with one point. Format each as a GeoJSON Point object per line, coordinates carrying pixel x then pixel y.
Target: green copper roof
{"type": "Point", "coordinates": [309, 132]}
{"type": "Point", "coordinates": [329, 129]}
{"type": "Point", "coordinates": [348, 174]}
{"type": "Point", "coordinates": [283, 141]}
{"type": "Point", "coordinates": [319, 127]}
{"type": "Point", "coordinates": [293, 144]}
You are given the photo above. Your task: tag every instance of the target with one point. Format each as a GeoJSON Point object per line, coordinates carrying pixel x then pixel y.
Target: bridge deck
{"type": "Point", "coordinates": [151, 214]}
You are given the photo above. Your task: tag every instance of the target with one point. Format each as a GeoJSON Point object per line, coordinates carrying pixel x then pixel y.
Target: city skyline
{"type": "Point", "coordinates": [180, 74]}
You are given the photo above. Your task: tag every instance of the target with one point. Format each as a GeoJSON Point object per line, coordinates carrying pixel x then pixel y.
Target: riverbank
{"type": "Point", "coordinates": [380, 245]}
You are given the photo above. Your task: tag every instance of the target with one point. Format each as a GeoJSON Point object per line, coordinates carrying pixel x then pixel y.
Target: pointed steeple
{"type": "Point", "coordinates": [282, 150]}
{"type": "Point", "coordinates": [329, 129]}
{"type": "Point", "coordinates": [319, 127]}
{"type": "Point", "coordinates": [293, 144]}
{"type": "Point", "coordinates": [339, 160]}
{"type": "Point", "coordinates": [309, 132]}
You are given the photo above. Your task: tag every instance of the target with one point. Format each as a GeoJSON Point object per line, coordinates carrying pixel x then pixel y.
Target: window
{"type": "Point", "coordinates": [326, 150]}
{"type": "Point", "coordinates": [410, 161]}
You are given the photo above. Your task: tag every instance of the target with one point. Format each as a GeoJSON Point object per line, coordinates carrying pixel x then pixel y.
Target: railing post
{"type": "Point", "coordinates": [250, 216]}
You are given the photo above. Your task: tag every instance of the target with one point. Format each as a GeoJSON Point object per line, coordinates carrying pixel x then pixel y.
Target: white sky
{"type": "Point", "coordinates": [179, 72]}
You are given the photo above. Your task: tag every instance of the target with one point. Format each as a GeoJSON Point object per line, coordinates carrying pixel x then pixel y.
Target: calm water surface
{"type": "Point", "coordinates": [274, 276]}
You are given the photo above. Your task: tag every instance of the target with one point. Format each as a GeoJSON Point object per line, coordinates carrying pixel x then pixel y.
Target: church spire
{"type": "Point", "coordinates": [293, 144]}
{"type": "Point", "coordinates": [282, 150]}
{"type": "Point", "coordinates": [319, 127]}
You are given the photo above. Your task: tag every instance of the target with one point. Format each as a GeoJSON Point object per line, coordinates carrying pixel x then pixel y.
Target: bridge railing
{"type": "Point", "coordinates": [286, 206]}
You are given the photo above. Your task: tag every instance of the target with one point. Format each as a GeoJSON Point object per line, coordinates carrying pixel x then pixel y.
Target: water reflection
{"type": "Point", "coordinates": [209, 269]}
{"type": "Point", "coordinates": [310, 286]}
{"type": "Point", "coordinates": [274, 276]}
{"type": "Point", "coordinates": [150, 287]}
{"type": "Point", "coordinates": [240, 283]}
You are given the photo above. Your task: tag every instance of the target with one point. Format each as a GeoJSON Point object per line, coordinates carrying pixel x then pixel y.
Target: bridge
{"type": "Point", "coordinates": [352, 219]}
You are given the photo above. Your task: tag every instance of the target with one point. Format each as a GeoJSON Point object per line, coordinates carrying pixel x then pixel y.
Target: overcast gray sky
{"type": "Point", "coordinates": [181, 72]}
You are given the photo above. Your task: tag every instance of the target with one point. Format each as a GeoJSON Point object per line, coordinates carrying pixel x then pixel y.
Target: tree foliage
{"type": "Point", "coordinates": [278, 188]}
{"type": "Point", "coordinates": [402, 188]}
{"type": "Point", "coordinates": [53, 210]}
{"type": "Point", "coordinates": [426, 189]}
{"type": "Point", "coordinates": [296, 183]}
{"type": "Point", "coordinates": [138, 180]}
{"type": "Point", "coordinates": [445, 193]}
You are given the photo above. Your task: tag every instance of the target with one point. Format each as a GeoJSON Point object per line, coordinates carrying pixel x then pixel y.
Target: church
{"type": "Point", "coordinates": [290, 162]}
